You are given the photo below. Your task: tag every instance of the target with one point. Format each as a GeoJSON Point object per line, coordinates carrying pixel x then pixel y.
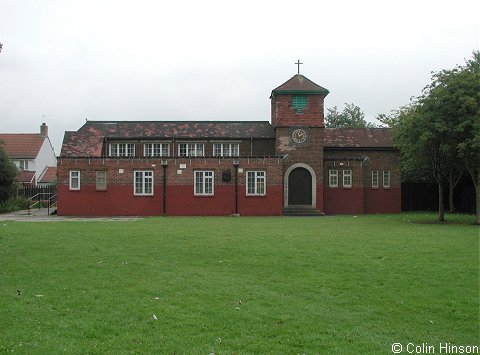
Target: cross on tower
{"type": "Point", "coordinates": [298, 63]}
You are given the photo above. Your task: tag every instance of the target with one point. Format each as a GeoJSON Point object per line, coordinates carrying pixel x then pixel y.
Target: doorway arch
{"type": "Point", "coordinates": [300, 186]}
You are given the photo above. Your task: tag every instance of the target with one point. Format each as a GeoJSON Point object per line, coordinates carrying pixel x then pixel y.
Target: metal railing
{"type": "Point", "coordinates": [43, 199]}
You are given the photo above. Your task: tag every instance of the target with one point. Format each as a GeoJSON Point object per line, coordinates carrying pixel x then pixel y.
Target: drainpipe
{"type": "Point", "coordinates": [236, 163]}
{"type": "Point", "coordinates": [164, 166]}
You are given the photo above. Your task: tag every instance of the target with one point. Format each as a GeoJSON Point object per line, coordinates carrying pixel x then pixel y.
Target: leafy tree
{"type": "Point", "coordinates": [465, 84]}
{"type": "Point", "coordinates": [439, 131]}
{"type": "Point", "coordinates": [8, 173]}
{"type": "Point", "coordinates": [351, 117]}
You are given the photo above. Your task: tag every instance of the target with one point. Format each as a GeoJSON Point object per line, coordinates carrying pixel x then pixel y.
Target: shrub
{"type": "Point", "coordinates": [14, 204]}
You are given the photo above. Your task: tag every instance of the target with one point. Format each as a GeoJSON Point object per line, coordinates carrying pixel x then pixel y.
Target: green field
{"type": "Point", "coordinates": [324, 285]}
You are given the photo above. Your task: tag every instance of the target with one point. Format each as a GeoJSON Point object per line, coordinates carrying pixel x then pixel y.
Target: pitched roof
{"type": "Point", "coordinates": [22, 145]}
{"type": "Point", "coordinates": [26, 176]}
{"type": "Point", "coordinates": [358, 138]}
{"type": "Point", "coordinates": [298, 84]}
{"type": "Point", "coordinates": [88, 140]}
{"type": "Point", "coordinates": [49, 175]}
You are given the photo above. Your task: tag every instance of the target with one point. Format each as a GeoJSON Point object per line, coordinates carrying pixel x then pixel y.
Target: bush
{"type": "Point", "coordinates": [14, 204]}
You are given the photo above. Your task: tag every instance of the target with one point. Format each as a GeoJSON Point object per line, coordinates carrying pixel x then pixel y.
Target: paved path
{"type": "Point", "coordinates": [41, 215]}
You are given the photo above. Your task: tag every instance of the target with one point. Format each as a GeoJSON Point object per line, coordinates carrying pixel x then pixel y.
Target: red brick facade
{"type": "Point", "coordinates": [287, 162]}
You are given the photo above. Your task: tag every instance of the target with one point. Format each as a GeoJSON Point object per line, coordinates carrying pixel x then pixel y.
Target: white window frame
{"type": "Point", "coordinates": [98, 178]}
{"type": "Point", "coordinates": [375, 179]}
{"type": "Point", "coordinates": [121, 150]}
{"type": "Point", "coordinates": [143, 179]}
{"type": "Point", "coordinates": [156, 149]}
{"type": "Point", "coordinates": [257, 187]}
{"type": "Point", "coordinates": [23, 165]}
{"type": "Point", "coordinates": [203, 179]}
{"type": "Point", "coordinates": [347, 178]}
{"type": "Point", "coordinates": [332, 178]}
{"type": "Point", "coordinates": [191, 149]}
{"type": "Point", "coordinates": [73, 178]}
{"type": "Point", "coordinates": [226, 149]}
{"type": "Point", "coordinates": [386, 179]}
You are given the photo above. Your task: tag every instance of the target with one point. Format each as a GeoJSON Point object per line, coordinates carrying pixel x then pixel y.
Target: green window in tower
{"type": "Point", "coordinates": [299, 103]}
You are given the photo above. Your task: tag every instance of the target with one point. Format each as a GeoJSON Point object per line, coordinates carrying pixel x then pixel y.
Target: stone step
{"type": "Point", "coordinates": [302, 212]}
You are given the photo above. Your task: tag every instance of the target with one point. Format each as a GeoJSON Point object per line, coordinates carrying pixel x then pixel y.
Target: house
{"type": "Point", "coordinates": [289, 165]}
{"type": "Point", "coordinates": [33, 155]}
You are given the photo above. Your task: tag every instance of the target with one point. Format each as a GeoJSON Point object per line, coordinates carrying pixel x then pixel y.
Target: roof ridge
{"type": "Point", "coordinates": [179, 121]}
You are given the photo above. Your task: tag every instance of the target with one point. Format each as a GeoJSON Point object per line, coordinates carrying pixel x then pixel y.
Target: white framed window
{"type": "Point", "coordinates": [204, 183]}
{"type": "Point", "coordinates": [143, 183]}
{"type": "Point", "coordinates": [386, 179]}
{"type": "Point", "coordinates": [375, 179]}
{"type": "Point", "coordinates": [256, 183]}
{"type": "Point", "coordinates": [101, 180]}
{"type": "Point", "coordinates": [74, 180]}
{"type": "Point", "coordinates": [156, 149]}
{"type": "Point", "coordinates": [347, 178]}
{"type": "Point", "coordinates": [191, 149]}
{"type": "Point", "coordinates": [333, 178]}
{"type": "Point", "coordinates": [23, 164]}
{"type": "Point", "coordinates": [226, 149]}
{"type": "Point", "coordinates": [121, 150]}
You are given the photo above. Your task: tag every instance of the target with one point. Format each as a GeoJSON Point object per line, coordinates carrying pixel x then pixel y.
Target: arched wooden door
{"type": "Point", "coordinates": [299, 187]}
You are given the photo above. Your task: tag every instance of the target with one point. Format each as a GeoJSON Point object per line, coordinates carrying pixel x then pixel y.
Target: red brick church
{"type": "Point", "coordinates": [290, 165]}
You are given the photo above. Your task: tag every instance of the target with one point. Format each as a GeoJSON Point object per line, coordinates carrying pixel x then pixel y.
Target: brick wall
{"type": "Point", "coordinates": [119, 198]}
{"type": "Point", "coordinates": [362, 197]}
{"type": "Point", "coordinates": [309, 152]}
{"type": "Point", "coordinates": [284, 115]}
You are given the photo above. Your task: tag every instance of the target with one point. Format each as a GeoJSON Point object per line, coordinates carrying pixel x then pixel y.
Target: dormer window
{"type": "Point", "coordinates": [191, 149]}
{"type": "Point", "coordinates": [156, 149]}
{"type": "Point", "coordinates": [121, 150]}
{"type": "Point", "coordinates": [299, 103]}
{"type": "Point", "coordinates": [226, 149]}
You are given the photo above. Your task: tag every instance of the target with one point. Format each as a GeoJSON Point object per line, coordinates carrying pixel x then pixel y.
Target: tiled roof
{"type": "Point", "coordinates": [88, 140]}
{"type": "Point", "coordinates": [49, 175]}
{"type": "Point", "coordinates": [26, 176]}
{"type": "Point", "coordinates": [300, 84]}
{"type": "Point", "coordinates": [358, 138]}
{"type": "Point", "coordinates": [23, 145]}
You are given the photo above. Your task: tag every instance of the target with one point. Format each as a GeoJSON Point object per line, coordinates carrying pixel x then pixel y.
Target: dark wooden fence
{"type": "Point", "coordinates": [33, 192]}
{"type": "Point", "coordinates": [424, 197]}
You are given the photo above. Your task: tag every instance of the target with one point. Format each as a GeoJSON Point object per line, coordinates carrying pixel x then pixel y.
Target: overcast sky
{"type": "Point", "coordinates": [67, 60]}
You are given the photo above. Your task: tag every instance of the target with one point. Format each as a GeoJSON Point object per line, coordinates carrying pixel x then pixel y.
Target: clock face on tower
{"type": "Point", "coordinates": [299, 136]}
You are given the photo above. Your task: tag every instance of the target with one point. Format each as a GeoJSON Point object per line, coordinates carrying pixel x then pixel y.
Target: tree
{"type": "Point", "coordinates": [8, 174]}
{"type": "Point", "coordinates": [440, 129]}
{"type": "Point", "coordinates": [466, 82]}
{"type": "Point", "coordinates": [351, 117]}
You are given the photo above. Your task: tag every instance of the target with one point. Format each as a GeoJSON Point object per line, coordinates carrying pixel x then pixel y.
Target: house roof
{"type": "Point", "coordinates": [298, 84]}
{"type": "Point", "coordinates": [22, 145]}
{"type": "Point", "coordinates": [358, 138]}
{"type": "Point", "coordinates": [49, 175]}
{"type": "Point", "coordinates": [26, 176]}
{"type": "Point", "coordinates": [88, 140]}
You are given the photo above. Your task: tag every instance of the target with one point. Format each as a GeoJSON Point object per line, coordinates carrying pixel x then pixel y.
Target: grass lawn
{"type": "Point", "coordinates": [346, 285]}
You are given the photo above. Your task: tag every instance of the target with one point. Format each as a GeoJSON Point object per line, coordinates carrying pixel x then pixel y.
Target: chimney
{"type": "Point", "coordinates": [44, 130]}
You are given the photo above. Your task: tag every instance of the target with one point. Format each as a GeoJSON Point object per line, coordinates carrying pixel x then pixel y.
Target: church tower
{"type": "Point", "coordinates": [298, 120]}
